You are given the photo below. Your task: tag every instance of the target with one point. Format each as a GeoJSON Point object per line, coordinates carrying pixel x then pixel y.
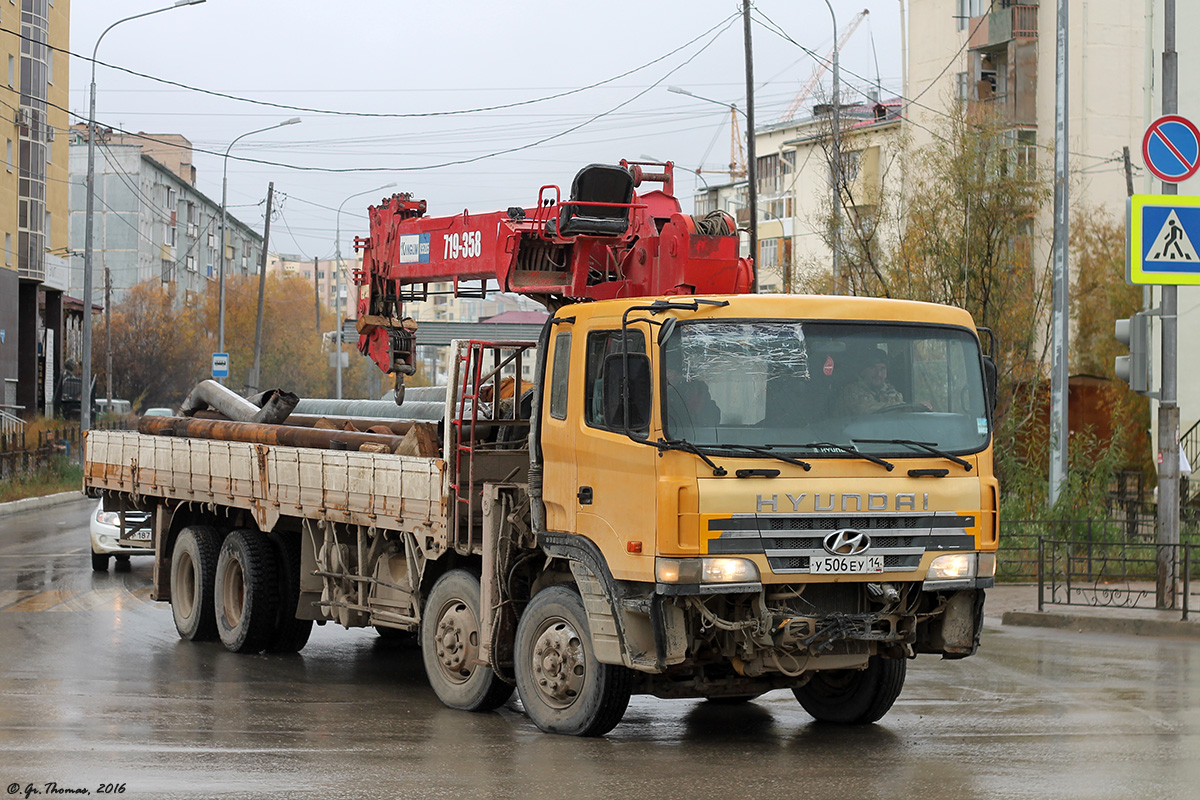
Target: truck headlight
{"type": "Point", "coordinates": [108, 518]}
{"type": "Point", "coordinates": [952, 566]}
{"type": "Point", "coordinates": [705, 570]}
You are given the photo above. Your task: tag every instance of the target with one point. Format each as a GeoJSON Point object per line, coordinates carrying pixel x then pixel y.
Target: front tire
{"type": "Point", "coordinates": [563, 687]}
{"type": "Point", "coordinates": [450, 646]}
{"type": "Point", "coordinates": [246, 592]}
{"type": "Point", "coordinates": [99, 562]}
{"type": "Point", "coordinates": [854, 696]}
{"type": "Point", "coordinates": [193, 575]}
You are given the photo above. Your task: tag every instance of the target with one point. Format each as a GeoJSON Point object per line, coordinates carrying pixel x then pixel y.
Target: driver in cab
{"type": "Point", "coordinates": [870, 390]}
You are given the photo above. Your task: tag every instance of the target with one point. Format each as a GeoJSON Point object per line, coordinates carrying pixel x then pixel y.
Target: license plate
{"type": "Point", "coordinates": [142, 535]}
{"type": "Point", "coordinates": [845, 565]}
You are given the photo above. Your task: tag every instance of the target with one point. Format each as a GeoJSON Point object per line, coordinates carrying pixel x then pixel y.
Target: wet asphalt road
{"type": "Point", "coordinates": [97, 691]}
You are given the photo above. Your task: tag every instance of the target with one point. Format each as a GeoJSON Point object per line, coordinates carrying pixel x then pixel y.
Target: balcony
{"type": "Point", "coordinates": [1017, 21]}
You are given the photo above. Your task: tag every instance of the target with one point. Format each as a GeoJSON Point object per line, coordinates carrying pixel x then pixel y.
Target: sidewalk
{"type": "Point", "coordinates": [31, 503]}
{"type": "Point", "coordinates": [1017, 604]}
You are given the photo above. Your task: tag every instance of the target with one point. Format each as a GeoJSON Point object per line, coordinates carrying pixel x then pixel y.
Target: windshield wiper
{"type": "Point", "coordinates": [928, 447]}
{"type": "Point", "coordinates": [851, 451]}
{"type": "Point", "coordinates": [688, 447]}
{"type": "Point", "coordinates": [764, 449]}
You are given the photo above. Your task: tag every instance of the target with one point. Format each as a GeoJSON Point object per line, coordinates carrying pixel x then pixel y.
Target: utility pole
{"type": "Point", "coordinates": [317, 292]}
{"type": "Point", "coordinates": [751, 157]}
{"type": "Point", "coordinates": [1060, 306]}
{"type": "Point", "coordinates": [262, 288]}
{"type": "Point", "coordinates": [108, 334]}
{"type": "Point", "coordinates": [1167, 524]}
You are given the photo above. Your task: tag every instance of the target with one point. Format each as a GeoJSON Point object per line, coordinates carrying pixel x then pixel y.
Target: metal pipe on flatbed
{"type": "Point", "coordinates": [258, 433]}
{"type": "Point", "coordinates": [276, 406]}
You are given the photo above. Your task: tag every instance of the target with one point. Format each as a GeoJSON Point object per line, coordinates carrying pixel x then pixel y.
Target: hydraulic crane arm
{"type": "Point", "coordinates": [605, 241]}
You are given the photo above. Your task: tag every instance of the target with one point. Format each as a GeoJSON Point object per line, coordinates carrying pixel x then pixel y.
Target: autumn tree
{"type": "Point", "coordinates": [1099, 297]}
{"type": "Point", "coordinates": [156, 355]}
{"type": "Point", "coordinates": [968, 237]}
{"type": "Point", "coordinates": [295, 357]}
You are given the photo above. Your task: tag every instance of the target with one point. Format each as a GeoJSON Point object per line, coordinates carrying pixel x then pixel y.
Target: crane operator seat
{"type": "Point", "coordinates": [599, 183]}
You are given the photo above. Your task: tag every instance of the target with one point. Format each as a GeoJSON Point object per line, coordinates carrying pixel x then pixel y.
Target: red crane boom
{"type": "Point", "coordinates": [606, 240]}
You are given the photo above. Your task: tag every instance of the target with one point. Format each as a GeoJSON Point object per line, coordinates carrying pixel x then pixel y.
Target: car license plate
{"type": "Point", "coordinates": [845, 565]}
{"type": "Point", "coordinates": [140, 535]}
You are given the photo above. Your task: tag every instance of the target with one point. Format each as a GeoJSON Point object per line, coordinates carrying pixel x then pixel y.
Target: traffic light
{"type": "Point", "coordinates": [1135, 367]}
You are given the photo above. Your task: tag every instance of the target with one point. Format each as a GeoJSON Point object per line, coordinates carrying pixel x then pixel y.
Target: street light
{"type": "Point", "coordinates": [339, 306]}
{"type": "Point", "coordinates": [837, 161]}
{"type": "Point", "coordinates": [735, 169]}
{"type": "Point", "coordinates": [85, 406]}
{"type": "Point", "coordinates": [221, 243]}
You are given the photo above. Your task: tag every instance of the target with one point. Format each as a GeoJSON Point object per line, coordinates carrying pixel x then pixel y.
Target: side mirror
{"type": "Point", "coordinates": [627, 394]}
{"type": "Point", "coordinates": [991, 382]}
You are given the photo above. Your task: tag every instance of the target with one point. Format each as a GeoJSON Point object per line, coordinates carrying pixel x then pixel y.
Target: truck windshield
{"type": "Point", "coordinates": [818, 389]}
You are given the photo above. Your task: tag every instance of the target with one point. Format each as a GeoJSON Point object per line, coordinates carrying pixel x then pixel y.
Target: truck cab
{"type": "Point", "coordinates": [771, 491]}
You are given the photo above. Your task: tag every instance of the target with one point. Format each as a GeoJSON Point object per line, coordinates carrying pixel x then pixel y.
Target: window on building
{"type": "Point", "coordinates": [190, 263]}
{"type": "Point", "coordinates": [967, 9]}
{"type": "Point", "coordinates": [168, 270]}
{"type": "Point", "coordinates": [170, 199]}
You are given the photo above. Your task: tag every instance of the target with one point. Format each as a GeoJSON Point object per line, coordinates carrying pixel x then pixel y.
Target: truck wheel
{"type": "Point", "coordinates": [193, 573]}
{"type": "Point", "coordinates": [562, 686]}
{"type": "Point", "coordinates": [291, 633]}
{"type": "Point", "coordinates": [854, 696]}
{"type": "Point", "coordinates": [246, 592]}
{"type": "Point", "coordinates": [99, 562]}
{"type": "Point", "coordinates": [450, 646]}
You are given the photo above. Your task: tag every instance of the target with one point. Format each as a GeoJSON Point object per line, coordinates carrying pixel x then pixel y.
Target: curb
{"type": "Point", "coordinates": [45, 501]}
{"type": "Point", "coordinates": [1088, 624]}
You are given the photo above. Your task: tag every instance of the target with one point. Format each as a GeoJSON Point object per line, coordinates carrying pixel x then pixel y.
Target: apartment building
{"type": "Point", "coordinates": [33, 201]}
{"type": "Point", "coordinates": [150, 220]}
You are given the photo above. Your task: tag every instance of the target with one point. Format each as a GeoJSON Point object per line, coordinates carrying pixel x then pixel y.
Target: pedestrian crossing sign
{"type": "Point", "coordinates": [1164, 240]}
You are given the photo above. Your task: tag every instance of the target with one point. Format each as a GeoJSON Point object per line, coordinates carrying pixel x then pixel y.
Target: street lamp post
{"type": "Point", "coordinates": [837, 162]}
{"type": "Point", "coordinates": [85, 405]}
{"type": "Point", "coordinates": [221, 243]}
{"type": "Point", "coordinates": [339, 306]}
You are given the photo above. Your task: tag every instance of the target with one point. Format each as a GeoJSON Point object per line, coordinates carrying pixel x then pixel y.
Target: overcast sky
{"type": "Point", "coordinates": [389, 58]}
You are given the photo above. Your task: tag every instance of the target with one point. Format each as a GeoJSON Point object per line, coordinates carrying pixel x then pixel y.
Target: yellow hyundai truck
{"type": "Point", "coordinates": [691, 495]}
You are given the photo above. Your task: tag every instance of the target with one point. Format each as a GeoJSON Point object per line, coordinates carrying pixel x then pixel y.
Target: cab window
{"type": "Point", "coordinates": [601, 344]}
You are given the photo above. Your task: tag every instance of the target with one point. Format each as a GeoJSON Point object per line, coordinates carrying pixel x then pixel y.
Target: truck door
{"type": "Point", "coordinates": [561, 410]}
{"type": "Point", "coordinates": [615, 476]}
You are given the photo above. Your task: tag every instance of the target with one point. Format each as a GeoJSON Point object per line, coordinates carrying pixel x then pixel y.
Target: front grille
{"type": "Point", "coordinates": [790, 541]}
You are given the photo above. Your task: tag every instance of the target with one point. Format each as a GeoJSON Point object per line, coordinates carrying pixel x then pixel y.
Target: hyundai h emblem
{"type": "Point", "coordinates": [847, 543]}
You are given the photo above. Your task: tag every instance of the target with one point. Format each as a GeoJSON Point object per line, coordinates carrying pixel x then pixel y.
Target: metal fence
{"type": "Point", "coordinates": [1114, 574]}
{"type": "Point", "coordinates": [28, 452]}
{"type": "Point", "coordinates": [1098, 562]}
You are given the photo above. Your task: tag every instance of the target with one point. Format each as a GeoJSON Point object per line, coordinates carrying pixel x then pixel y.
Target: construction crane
{"type": "Point", "coordinates": [737, 151]}
{"type": "Point", "coordinates": [822, 66]}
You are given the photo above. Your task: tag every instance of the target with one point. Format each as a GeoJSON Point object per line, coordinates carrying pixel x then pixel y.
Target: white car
{"type": "Point", "coordinates": [158, 411]}
{"type": "Point", "coordinates": [105, 529]}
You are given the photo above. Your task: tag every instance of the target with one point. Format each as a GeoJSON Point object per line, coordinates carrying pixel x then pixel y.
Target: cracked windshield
{"type": "Point", "coordinates": [817, 387]}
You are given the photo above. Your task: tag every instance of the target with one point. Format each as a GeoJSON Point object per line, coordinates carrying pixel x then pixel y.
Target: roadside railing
{"type": "Point", "coordinates": [1118, 574]}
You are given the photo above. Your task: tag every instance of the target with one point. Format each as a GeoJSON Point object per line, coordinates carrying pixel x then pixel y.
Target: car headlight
{"type": "Point", "coordinates": [108, 517]}
{"type": "Point", "coordinates": [952, 566]}
{"type": "Point", "coordinates": [705, 570]}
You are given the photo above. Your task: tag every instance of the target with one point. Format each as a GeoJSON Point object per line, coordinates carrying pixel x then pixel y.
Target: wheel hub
{"type": "Point", "coordinates": [558, 664]}
{"type": "Point", "coordinates": [456, 642]}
